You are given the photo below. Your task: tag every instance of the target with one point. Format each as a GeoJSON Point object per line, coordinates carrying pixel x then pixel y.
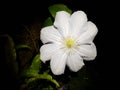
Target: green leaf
{"type": "Point", "coordinates": [58, 7]}
{"type": "Point", "coordinates": [9, 54]}
{"type": "Point", "coordinates": [43, 76]}
{"type": "Point", "coordinates": [36, 63]}
{"type": "Point", "coordinates": [41, 84]}
{"type": "Point", "coordinates": [32, 73]}
{"type": "Point", "coordinates": [34, 68]}
{"type": "Point", "coordinates": [23, 47]}
{"type": "Point", "coordinates": [48, 88]}
{"type": "Point", "coordinates": [49, 77]}
{"type": "Point", "coordinates": [48, 22]}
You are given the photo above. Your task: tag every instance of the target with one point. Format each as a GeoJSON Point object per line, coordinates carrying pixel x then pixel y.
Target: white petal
{"type": "Point", "coordinates": [49, 34]}
{"type": "Point", "coordinates": [47, 50]}
{"type": "Point", "coordinates": [78, 19]}
{"type": "Point", "coordinates": [62, 22]}
{"type": "Point", "coordinates": [58, 62]}
{"type": "Point", "coordinates": [88, 36]}
{"type": "Point", "coordinates": [74, 62]}
{"type": "Point", "coordinates": [88, 52]}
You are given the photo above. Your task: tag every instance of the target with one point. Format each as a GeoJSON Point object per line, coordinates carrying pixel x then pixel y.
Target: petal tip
{"type": "Point", "coordinates": [56, 72]}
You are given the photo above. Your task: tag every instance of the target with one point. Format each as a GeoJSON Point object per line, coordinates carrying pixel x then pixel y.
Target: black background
{"type": "Point", "coordinates": [102, 13]}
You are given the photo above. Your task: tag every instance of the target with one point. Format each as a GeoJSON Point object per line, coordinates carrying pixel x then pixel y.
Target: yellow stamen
{"type": "Point", "coordinates": [69, 43]}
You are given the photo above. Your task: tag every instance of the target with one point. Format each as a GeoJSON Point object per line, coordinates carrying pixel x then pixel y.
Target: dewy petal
{"type": "Point", "coordinates": [74, 61]}
{"type": "Point", "coordinates": [47, 50]}
{"type": "Point", "coordinates": [58, 62]}
{"type": "Point", "coordinates": [78, 19]}
{"type": "Point", "coordinates": [49, 34]}
{"type": "Point", "coordinates": [62, 22]}
{"type": "Point", "coordinates": [88, 36]}
{"type": "Point", "coordinates": [88, 52]}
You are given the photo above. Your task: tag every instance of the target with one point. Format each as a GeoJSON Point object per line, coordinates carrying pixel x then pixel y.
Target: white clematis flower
{"type": "Point", "coordinates": [68, 42]}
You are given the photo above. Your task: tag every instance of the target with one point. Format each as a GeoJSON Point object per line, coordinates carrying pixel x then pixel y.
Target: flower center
{"type": "Point", "coordinates": [69, 43]}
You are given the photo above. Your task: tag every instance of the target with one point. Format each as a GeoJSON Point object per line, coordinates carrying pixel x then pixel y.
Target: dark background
{"type": "Point", "coordinates": [102, 13]}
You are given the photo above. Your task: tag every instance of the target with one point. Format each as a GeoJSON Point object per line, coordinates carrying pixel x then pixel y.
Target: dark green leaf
{"type": "Point", "coordinates": [36, 63]}
{"type": "Point", "coordinates": [43, 76]}
{"type": "Point", "coordinates": [58, 7]}
{"type": "Point", "coordinates": [49, 77]}
{"type": "Point", "coordinates": [33, 72]}
{"type": "Point", "coordinates": [9, 54]}
{"type": "Point", "coordinates": [48, 22]}
{"type": "Point", "coordinates": [41, 84]}
{"type": "Point", "coordinates": [34, 68]}
{"type": "Point", "coordinates": [23, 47]}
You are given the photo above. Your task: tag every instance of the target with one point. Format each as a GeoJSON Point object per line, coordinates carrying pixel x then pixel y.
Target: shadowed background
{"type": "Point", "coordinates": [17, 17]}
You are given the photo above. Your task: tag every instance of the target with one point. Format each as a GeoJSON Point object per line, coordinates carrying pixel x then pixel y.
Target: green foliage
{"type": "Point", "coordinates": [23, 47]}
{"type": "Point", "coordinates": [48, 22]}
{"type": "Point", "coordinates": [41, 85]}
{"type": "Point", "coordinates": [32, 73]}
{"type": "Point", "coordinates": [53, 9]}
{"type": "Point", "coordinates": [44, 76]}
{"type": "Point", "coordinates": [58, 7]}
{"type": "Point", "coordinates": [9, 54]}
{"type": "Point", "coordinates": [9, 46]}
{"type": "Point", "coordinates": [33, 70]}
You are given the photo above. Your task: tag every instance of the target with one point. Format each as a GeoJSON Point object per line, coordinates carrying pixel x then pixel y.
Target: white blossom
{"type": "Point", "coordinates": [68, 42]}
